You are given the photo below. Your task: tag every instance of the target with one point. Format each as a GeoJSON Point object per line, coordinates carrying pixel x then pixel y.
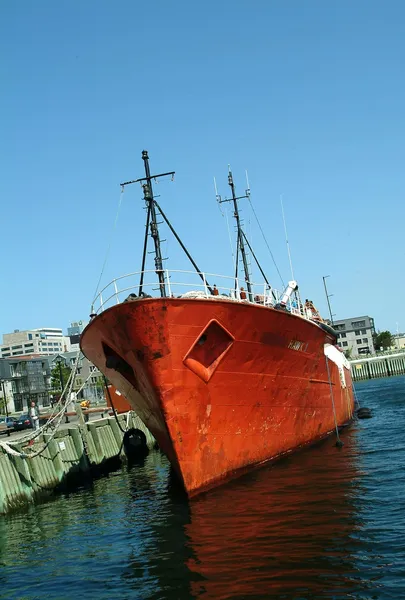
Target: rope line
{"type": "Point", "coordinates": [113, 407]}
{"type": "Point", "coordinates": [225, 214]}
{"type": "Point", "coordinates": [266, 242]}
{"type": "Point", "coordinates": [338, 442]}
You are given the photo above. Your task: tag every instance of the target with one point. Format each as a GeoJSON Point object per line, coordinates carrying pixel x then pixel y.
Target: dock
{"type": "Point", "coordinates": [66, 457]}
{"type": "Point", "coordinates": [372, 367]}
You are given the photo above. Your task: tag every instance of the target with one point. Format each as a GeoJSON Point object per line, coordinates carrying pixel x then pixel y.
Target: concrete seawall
{"type": "Point", "coordinates": [71, 455]}
{"type": "Point", "coordinates": [378, 366]}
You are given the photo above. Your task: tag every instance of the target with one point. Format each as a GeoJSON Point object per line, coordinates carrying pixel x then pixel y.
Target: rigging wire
{"type": "Point", "coordinates": [110, 242]}
{"type": "Point", "coordinates": [265, 240]}
{"type": "Point", "coordinates": [225, 214]}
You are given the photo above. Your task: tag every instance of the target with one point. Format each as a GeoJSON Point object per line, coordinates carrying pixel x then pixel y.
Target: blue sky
{"type": "Point", "coordinates": [308, 96]}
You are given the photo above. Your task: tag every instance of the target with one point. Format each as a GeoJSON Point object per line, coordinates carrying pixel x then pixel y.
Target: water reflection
{"type": "Point", "coordinates": [325, 523]}
{"type": "Point", "coordinates": [286, 531]}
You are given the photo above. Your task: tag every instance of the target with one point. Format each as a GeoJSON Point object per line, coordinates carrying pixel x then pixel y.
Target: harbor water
{"type": "Point", "coordinates": [325, 523]}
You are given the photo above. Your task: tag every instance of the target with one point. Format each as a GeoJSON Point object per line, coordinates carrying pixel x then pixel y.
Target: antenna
{"type": "Point", "coordinates": [327, 297]}
{"type": "Point", "coordinates": [286, 237]}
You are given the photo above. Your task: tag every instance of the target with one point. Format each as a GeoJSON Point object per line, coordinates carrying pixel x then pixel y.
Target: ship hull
{"type": "Point", "coordinates": [223, 386]}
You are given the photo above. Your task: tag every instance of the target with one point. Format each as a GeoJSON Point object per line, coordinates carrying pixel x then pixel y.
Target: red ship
{"type": "Point", "coordinates": [226, 378]}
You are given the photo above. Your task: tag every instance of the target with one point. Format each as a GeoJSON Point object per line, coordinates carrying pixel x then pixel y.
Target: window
{"type": "Point", "coordinates": [365, 341]}
{"type": "Point", "coordinates": [5, 349]}
{"type": "Point", "coordinates": [6, 355]}
{"type": "Point", "coordinates": [359, 341]}
{"type": "Point", "coordinates": [357, 332]}
{"type": "Point", "coordinates": [339, 344]}
{"type": "Point", "coordinates": [344, 343]}
{"type": "Point", "coordinates": [37, 335]}
{"type": "Point", "coordinates": [30, 336]}
{"type": "Point", "coordinates": [16, 347]}
{"type": "Point", "coordinates": [364, 331]}
{"type": "Point", "coordinates": [339, 327]}
{"type": "Point", "coordinates": [358, 324]}
{"type": "Point", "coordinates": [343, 335]}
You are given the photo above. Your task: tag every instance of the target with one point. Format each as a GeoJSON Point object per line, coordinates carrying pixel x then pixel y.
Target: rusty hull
{"type": "Point", "coordinates": [223, 386]}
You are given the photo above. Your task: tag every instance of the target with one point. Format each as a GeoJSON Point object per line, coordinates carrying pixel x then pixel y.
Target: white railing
{"type": "Point", "coordinates": [192, 284]}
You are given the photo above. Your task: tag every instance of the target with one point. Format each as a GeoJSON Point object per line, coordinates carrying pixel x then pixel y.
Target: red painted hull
{"type": "Point", "coordinates": [223, 386]}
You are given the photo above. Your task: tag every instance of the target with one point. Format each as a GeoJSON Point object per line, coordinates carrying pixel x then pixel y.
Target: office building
{"type": "Point", "coordinates": [74, 332]}
{"type": "Point", "coordinates": [28, 380]}
{"type": "Point", "coordinates": [355, 335]}
{"type": "Point", "coordinates": [43, 341]}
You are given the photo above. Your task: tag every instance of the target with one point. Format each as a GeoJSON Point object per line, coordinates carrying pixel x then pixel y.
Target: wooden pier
{"type": "Point", "coordinates": [67, 455]}
{"type": "Point", "coordinates": [373, 367]}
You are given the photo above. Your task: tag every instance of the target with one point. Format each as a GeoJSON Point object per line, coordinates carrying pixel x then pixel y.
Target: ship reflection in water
{"type": "Point", "coordinates": [286, 531]}
{"type": "Point", "coordinates": [322, 524]}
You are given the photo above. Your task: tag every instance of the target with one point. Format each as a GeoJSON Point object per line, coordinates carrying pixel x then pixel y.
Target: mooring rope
{"type": "Point", "coordinates": [113, 407]}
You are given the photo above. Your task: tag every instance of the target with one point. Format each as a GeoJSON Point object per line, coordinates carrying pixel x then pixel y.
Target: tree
{"type": "Point", "coordinates": [348, 353]}
{"type": "Point", "coordinates": [55, 377]}
{"type": "Point", "coordinates": [383, 339]}
{"type": "Point", "coordinates": [3, 405]}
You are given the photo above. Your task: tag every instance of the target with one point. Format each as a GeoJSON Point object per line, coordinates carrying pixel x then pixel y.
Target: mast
{"type": "Point", "coordinates": [151, 223]}
{"type": "Point", "coordinates": [240, 244]}
{"type": "Point", "coordinates": [154, 230]}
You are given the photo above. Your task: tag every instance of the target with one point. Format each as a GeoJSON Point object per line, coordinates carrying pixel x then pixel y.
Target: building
{"type": "Point", "coordinates": [74, 332]}
{"type": "Point", "coordinates": [28, 379]}
{"type": "Point", "coordinates": [44, 341]}
{"type": "Point", "coordinates": [87, 374]}
{"type": "Point", "coordinates": [24, 379]}
{"type": "Point", "coordinates": [355, 335]}
{"type": "Point", "coordinates": [398, 341]}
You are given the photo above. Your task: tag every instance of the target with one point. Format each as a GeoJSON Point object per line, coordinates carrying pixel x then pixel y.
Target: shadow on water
{"type": "Point", "coordinates": [324, 523]}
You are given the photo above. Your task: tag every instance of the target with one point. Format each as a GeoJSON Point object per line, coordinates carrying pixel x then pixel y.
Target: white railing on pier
{"type": "Point", "coordinates": [192, 284]}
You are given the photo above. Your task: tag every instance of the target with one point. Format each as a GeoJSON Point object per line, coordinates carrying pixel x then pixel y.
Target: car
{"type": "Point", "coordinates": [23, 422]}
{"type": "Point", "coordinates": [7, 423]}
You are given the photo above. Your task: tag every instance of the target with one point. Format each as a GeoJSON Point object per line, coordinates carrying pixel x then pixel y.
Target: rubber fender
{"type": "Point", "coordinates": [364, 413]}
{"type": "Point", "coordinates": [134, 442]}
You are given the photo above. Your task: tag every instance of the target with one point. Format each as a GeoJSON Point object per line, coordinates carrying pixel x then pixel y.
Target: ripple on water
{"type": "Point", "coordinates": [325, 523]}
